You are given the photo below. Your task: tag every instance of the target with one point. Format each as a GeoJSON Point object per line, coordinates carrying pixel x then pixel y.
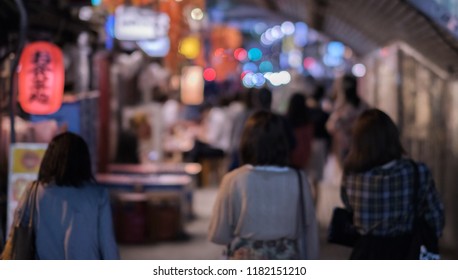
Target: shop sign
{"type": "Point", "coordinates": [135, 24]}
{"type": "Point", "coordinates": [41, 78]}
{"type": "Point", "coordinates": [24, 164]}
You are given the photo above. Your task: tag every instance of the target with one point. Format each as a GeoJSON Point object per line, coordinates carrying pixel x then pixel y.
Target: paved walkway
{"type": "Point", "coordinates": [198, 248]}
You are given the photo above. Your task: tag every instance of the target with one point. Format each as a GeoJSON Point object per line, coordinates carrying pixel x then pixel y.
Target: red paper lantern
{"type": "Point", "coordinates": [41, 78]}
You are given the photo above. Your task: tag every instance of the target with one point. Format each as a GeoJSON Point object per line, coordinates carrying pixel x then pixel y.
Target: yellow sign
{"type": "Point", "coordinates": [24, 164]}
{"type": "Point", "coordinates": [27, 160]}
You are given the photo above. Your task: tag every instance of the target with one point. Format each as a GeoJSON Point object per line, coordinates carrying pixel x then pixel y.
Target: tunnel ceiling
{"type": "Point", "coordinates": [364, 25]}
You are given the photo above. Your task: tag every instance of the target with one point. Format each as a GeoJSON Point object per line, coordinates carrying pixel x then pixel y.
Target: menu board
{"type": "Point", "coordinates": [24, 164]}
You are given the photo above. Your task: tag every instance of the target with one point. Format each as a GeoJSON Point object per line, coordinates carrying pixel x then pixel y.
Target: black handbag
{"type": "Point", "coordinates": [341, 230]}
{"type": "Point", "coordinates": [23, 239]}
{"type": "Point", "coordinates": [425, 243]}
{"type": "Point", "coordinates": [300, 241]}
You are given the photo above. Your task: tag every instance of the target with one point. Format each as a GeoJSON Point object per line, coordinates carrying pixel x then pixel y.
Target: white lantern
{"type": "Point", "coordinates": [192, 85]}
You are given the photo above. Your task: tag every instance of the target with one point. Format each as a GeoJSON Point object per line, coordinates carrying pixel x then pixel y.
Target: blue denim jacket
{"type": "Point", "coordinates": [72, 223]}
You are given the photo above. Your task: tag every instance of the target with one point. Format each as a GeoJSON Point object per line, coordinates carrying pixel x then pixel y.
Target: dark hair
{"type": "Point", "coordinates": [263, 99]}
{"type": "Point", "coordinates": [263, 140]}
{"type": "Point", "coordinates": [66, 161]}
{"type": "Point", "coordinates": [298, 112]}
{"type": "Point", "coordinates": [319, 93]}
{"type": "Point", "coordinates": [375, 141]}
{"type": "Point", "coordinates": [350, 89]}
{"type": "Point", "coordinates": [248, 98]}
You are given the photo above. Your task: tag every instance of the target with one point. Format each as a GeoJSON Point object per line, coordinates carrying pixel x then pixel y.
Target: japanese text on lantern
{"type": "Point", "coordinates": [40, 70]}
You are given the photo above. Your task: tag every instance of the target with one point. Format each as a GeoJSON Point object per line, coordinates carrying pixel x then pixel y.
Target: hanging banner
{"type": "Point", "coordinates": [24, 164]}
{"type": "Point", "coordinates": [41, 78]}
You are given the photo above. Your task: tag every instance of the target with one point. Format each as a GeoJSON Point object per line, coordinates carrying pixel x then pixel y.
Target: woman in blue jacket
{"type": "Point", "coordinates": [72, 218]}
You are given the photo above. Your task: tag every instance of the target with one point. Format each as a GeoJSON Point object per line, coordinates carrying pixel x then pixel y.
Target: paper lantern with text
{"type": "Point", "coordinates": [41, 78]}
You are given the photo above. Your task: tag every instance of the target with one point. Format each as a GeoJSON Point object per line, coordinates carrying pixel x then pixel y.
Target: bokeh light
{"type": "Point", "coordinates": [248, 80]}
{"type": "Point", "coordinates": [244, 73]}
{"type": "Point", "coordinates": [278, 79]}
{"type": "Point", "coordinates": [209, 74]}
{"type": "Point", "coordinates": [264, 41]}
{"type": "Point", "coordinates": [250, 66]}
{"type": "Point", "coordinates": [359, 70]}
{"type": "Point", "coordinates": [336, 49]}
{"type": "Point", "coordinates": [240, 54]}
{"type": "Point", "coordinates": [190, 47]}
{"type": "Point", "coordinates": [266, 66]}
{"type": "Point", "coordinates": [309, 62]}
{"type": "Point", "coordinates": [254, 54]}
{"type": "Point", "coordinates": [288, 28]}
{"type": "Point", "coordinates": [197, 14]}
{"type": "Point", "coordinates": [277, 32]}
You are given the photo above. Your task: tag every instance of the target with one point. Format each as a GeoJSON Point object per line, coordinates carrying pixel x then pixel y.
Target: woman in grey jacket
{"type": "Point", "coordinates": [73, 216]}
{"type": "Point", "coordinates": [257, 212]}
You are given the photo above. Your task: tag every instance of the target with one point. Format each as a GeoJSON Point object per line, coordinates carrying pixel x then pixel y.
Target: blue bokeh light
{"type": "Point", "coordinates": [250, 67]}
{"type": "Point", "coordinates": [266, 66]}
{"type": "Point", "coordinates": [254, 54]}
{"type": "Point", "coordinates": [336, 49]}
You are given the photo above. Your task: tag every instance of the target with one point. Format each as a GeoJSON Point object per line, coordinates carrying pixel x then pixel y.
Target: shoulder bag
{"type": "Point", "coordinates": [341, 230]}
{"type": "Point", "coordinates": [22, 245]}
{"type": "Point", "coordinates": [425, 243]}
{"type": "Point", "coordinates": [301, 238]}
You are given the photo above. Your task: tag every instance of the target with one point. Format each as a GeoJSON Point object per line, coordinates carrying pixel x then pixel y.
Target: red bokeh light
{"type": "Point", "coordinates": [244, 73]}
{"type": "Point", "coordinates": [240, 54]}
{"type": "Point", "coordinates": [309, 62]}
{"type": "Point", "coordinates": [209, 74]}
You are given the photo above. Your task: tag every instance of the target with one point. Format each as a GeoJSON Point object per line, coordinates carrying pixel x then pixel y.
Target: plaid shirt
{"type": "Point", "coordinates": [381, 199]}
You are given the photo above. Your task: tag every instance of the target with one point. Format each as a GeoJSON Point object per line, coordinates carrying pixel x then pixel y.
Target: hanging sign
{"type": "Point", "coordinates": [41, 78]}
{"type": "Point", "coordinates": [135, 24]}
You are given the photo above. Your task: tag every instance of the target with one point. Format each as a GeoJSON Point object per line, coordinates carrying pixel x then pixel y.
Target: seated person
{"type": "Point", "coordinates": [212, 139]}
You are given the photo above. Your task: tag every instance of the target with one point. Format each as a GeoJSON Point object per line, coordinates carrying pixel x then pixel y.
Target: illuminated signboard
{"type": "Point", "coordinates": [135, 24]}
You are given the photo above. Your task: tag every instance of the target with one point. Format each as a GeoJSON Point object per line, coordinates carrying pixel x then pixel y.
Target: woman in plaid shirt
{"type": "Point", "coordinates": [378, 187]}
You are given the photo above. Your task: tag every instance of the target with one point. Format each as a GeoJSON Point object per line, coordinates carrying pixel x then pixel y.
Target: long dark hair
{"type": "Point", "coordinates": [298, 112]}
{"type": "Point", "coordinates": [263, 140]}
{"type": "Point", "coordinates": [350, 89]}
{"type": "Point", "coordinates": [375, 141]}
{"type": "Point", "coordinates": [66, 161]}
